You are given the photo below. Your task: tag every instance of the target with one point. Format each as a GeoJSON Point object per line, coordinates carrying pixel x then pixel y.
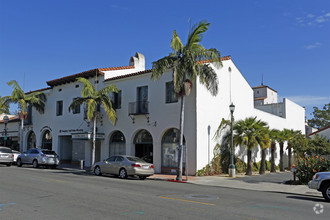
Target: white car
{"type": "Point", "coordinates": [15, 153]}
{"type": "Point", "coordinates": [321, 182]}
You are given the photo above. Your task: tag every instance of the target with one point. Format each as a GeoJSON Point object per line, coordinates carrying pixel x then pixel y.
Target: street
{"type": "Point", "coordinates": [27, 193]}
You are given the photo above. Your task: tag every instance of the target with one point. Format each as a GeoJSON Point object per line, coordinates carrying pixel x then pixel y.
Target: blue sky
{"type": "Point", "coordinates": [286, 41]}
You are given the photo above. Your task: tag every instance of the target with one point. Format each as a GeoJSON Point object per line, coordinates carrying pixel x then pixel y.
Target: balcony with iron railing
{"type": "Point", "coordinates": [138, 108]}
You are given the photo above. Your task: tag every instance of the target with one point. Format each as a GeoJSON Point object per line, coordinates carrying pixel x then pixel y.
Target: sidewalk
{"type": "Point", "coordinates": [270, 182]}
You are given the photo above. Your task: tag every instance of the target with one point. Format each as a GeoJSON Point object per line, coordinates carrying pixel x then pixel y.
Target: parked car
{"type": "Point", "coordinates": [38, 157]}
{"type": "Point", "coordinates": [321, 182]}
{"type": "Point", "coordinates": [124, 166]}
{"type": "Point", "coordinates": [15, 153]}
{"type": "Point", "coordinates": [6, 156]}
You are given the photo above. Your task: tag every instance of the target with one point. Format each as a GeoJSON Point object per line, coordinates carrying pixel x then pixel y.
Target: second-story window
{"type": "Point", "coordinates": [142, 99]}
{"type": "Point", "coordinates": [116, 99]}
{"type": "Point", "coordinates": [76, 109]}
{"type": "Point", "coordinates": [170, 94]}
{"type": "Point", "coordinates": [59, 108]}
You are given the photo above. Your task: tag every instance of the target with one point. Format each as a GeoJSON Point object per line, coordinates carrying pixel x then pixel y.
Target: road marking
{"type": "Point", "coordinates": [184, 200]}
{"type": "Point", "coordinates": [61, 181]}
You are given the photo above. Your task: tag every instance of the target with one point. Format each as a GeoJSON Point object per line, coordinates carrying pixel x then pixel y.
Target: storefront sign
{"type": "Point", "coordinates": [87, 136]}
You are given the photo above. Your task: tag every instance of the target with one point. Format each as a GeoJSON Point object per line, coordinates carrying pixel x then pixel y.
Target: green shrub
{"type": "Point", "coordinates": [308, 166]}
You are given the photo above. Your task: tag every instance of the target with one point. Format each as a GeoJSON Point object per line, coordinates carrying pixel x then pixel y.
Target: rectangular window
{"type": "Point", "coordinates": [76, 109]}
{"type": "Point", "coordinates": [170, 94]}
{"type": "Point", "coordinates": [59, 108]}
{"type": "Point", "coordinates": [142, 100]}
{"type": "Point", "coordinates": [116, 100]}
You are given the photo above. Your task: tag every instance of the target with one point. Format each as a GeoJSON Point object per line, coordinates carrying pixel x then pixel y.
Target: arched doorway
{"type": "Point", "coordinates": [170, 142]}
{"type": "Point", "coordinates": [47, 140]}
{"type": "Point", "coordinates": [144, 146]}
{"type": "Point", "coordinates": [31, 140]}
{"type": "Point", "coordinates": [117, 144]}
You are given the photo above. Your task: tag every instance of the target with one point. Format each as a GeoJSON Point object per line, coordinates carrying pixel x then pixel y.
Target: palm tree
{"type": "Point", "coordinates": [290, 135]}
{"type": "Point", "coordinates": [263, 134]}
{"type": "Point", "coordinates": [34, 99]}
{"type": "Point", "coordinates": [247, 133]}
{"type": "Point", "coordinates": [281, 138]}
{"type": "Point", "coordinates": [4, 106]}
{"type": "Point", "coordinates": [94, 98]}
{"type": "Point", "coordinates": [273, 135]}
{"type": "Point", "coordinates": [186, 64]}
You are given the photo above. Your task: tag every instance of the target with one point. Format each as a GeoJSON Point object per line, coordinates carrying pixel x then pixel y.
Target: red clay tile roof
{"type": "Point", "coordinates": [319, 131]}
{"type": "Point", "coordinates": [129, 75]}
{"type": "Point", "coordinates": [263, 86]}
{"type": "Point", "coordinates": [209, 61]}
{"type": "Point", "coordinates": [259, 98]}
{"type": "Point", "coordinates": [11, 119]}
{"type": "Point", "coordinates": [86, 74]}
{"type": "Point", "coordinates": [39, 90]}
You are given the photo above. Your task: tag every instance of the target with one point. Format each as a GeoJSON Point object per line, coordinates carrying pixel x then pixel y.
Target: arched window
{"type": "Point", "coordinates": [170, 142]}
{"type": "Point", "coordinates": [31, 141]}
{"type": "Point", "coordinates": [144, 145]}
{"type": "Point", "coordinates": [47, 140]}
{"type": "Point", "coordinates": [117, 144]}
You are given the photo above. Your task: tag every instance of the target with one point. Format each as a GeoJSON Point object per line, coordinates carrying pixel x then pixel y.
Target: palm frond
{"type": "Point", "coordinates": [88, 89]}
{"type": "Point", "coordinates": [176, 43]}
{"type": "Point", "coordinates": [106, 90]}
{"type": "Point", "coordinates": [160, 66]}
{"type": "Point", "coordinates": [196, 34]}
{"type": "Point", "coordinates": [106, 102]}
{"type": "Point", "coordinates": [209, 78]}
{"type": "Point", "coordinates": [77, 102]}
{"type": "Point", "coordinates": [91, 109]}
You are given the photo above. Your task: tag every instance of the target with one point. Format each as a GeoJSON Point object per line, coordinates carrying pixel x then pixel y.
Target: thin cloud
{"type": "Point", "coordinates": [313, 20]}
{"type": "Point", "coordinates": [313, 46]}
{"type": "Point", "coordinates": [309, 100]}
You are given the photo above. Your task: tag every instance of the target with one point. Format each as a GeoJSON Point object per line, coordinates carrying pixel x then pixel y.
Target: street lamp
{"type": "Point", "coordinates": [232, 165]}
{"type": "Point", "coordinates": [5, 120]}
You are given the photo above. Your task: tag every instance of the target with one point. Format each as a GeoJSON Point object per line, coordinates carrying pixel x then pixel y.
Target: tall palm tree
{"type": "Point", "coordinates": [247, 133]}
{"type": "Point", "coordinates": [185, 63]}
{"type": "Point", "coordinates": [94, 98]}
{"type": "Point", "coordinates": [4, 105]}
{"type": "Point", "coordinates": [34, 99]}
{"type": "Point", "coordinates": [263, 134]}
{"type": "Point", "coordinates": [273, 135]}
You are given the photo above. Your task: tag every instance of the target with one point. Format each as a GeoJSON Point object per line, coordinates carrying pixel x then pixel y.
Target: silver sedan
{"type": "Point", "coordinates": [124, 166]}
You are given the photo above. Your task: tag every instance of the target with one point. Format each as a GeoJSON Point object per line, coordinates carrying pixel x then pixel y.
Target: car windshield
{"type": "Point", "coordinates": [49, 152]}
{"type": "Point", "coordinates": [135, 159]}
{"type": "Point", "coordinates": [5, 150]}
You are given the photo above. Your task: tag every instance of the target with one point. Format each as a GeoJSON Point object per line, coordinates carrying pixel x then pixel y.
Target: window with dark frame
{"type": "Point", "coordinates": [59, 108]}
{"type": "Point", "coordinates": [170, 94]}
{"type": "Point", "coordinates": [76, 109]}
{"type": "Point", "coordinates": [116, 100]}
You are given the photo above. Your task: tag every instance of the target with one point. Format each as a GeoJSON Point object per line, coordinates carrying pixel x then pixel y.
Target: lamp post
{"type": "Point", "coordinates": [232, 165]}
{"type": "Point", "coordinates": [5, 120]}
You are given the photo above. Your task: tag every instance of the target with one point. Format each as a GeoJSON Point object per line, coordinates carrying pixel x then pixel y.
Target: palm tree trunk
{"type": "Point", "coordinates": [289, 156]}
{"type": "Point", "coordinates": [249, 163]}
{"type": "Point", "coordinates": [21, 135]}
{"type": "Point", "coordinates": [281, 157]}
{"type": "Point", "coordinates": [179, 173]}
{"type": "Point", "coordinates": [262, 164]}
{"type": "Point", "coordinates": [94, 141]}
{"type": "Point", "coordinates": [272, 159]}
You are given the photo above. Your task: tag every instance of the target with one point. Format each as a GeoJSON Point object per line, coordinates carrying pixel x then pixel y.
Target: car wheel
{"type": "Point", "coordinates": [8, 164]}
{"type": "Point", "coordinates": [35, 164]}
{"type": "Point", "coordinates": [97, 171]}
{"type": "Point", "coordinates": [142, 177]}
{"type": "Point", "coordinates": [326, 192]}
{"type": "Point", "coordinates": [19, 162]}
{"type": "Point", "coordinates": [122, 173]}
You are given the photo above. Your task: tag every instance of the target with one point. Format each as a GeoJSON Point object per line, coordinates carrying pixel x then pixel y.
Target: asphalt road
{"type": "Point", "coordinates": [27, 193]}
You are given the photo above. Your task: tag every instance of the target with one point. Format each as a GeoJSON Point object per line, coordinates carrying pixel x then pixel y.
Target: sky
{"type": "Point", "coordinates": [284, 42]}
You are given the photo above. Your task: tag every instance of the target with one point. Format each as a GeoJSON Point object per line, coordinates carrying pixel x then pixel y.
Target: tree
{"type": "Point", "coordinates": [93, 99]}
{"type": "Point", "coordinates": [33, 99]}
{"type": "Point", "coordinates": [273, 135]}
{"type": "Point", "coordinates": [4, 106]}
{"type": "Point", "coordinates": [321, 117]}
{"type": "Point", "coordinates": [187, 62]}
{"type": "Point", "coordinates": [248, 133]}
{"type": "Point", "coordinates": [281, 138]}
{"type": "Point", "coordinates": [264, 142]}
{"type": "Point", "coordinates": [289, 135]}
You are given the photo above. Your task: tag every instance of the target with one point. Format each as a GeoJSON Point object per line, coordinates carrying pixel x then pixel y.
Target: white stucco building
{"type": "Point", "coordinates": [148, 116]}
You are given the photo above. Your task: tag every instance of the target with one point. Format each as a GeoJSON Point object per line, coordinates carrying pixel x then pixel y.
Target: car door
{"type": "Point", "coordinates": [33, 154]}
{"type": "Point", "coordinates": [107, 167]}
{"type": "Point", "coordinates": [117, 165]}
{"type": "Point", "coordinates": [25, 156]}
